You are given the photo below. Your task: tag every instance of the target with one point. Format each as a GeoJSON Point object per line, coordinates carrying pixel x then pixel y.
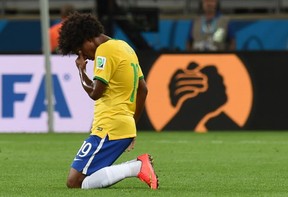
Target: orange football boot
{"type": "Point", "coordinates": [147, 173]}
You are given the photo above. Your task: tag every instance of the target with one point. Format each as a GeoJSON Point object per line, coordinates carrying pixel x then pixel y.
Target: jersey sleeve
{"type": "Point", "coordinates": [140, 73]}
{"type": "Point", "coordinates": [103, 65]}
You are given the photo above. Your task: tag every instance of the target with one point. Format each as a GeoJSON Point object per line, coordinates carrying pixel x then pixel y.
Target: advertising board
{"type": "Point", "coordinates": [22, 100]}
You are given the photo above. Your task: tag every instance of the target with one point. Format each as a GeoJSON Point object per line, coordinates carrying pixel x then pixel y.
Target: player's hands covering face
{"type": "Point", "coordinates": [80, 61]}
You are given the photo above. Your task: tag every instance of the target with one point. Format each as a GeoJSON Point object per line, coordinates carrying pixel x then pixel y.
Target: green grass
{"type": "Point", "coordinates": [188, 164]}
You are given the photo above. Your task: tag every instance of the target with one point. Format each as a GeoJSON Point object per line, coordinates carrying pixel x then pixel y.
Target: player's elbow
{"type": "Point", "coordinates": [145, 91]}
{"type": "Point", "coordinates": [142, 88]}
{"type": "Point", "coordinates": [93, 97]}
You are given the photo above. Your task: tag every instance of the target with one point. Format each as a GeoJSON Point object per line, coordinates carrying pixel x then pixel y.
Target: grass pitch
{"type": "Point", "coordinates": [188, 164]}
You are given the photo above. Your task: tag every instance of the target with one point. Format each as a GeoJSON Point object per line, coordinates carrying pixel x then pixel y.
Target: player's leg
{"type": "Point", "coordinates": [75, 179]}
{"type": "Point", "coordinates": [111, 175]}
{"type": "Point", "coordinates": [140, 167]}
{"type": "Point", "coordinates": [92, 165]}
{"type": "Point", "coordinates": [101, 173]}
{"type": "Point", "coordinates": [83, 159]}
{"type": "Point", "coordinates": [95, 154]}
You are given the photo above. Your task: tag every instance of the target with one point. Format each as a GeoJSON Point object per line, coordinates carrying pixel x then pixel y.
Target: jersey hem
{"type": "Point", "coordinates": [111, 137]}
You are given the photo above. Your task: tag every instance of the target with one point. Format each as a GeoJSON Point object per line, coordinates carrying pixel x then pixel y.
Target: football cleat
{"type": "Point", "coordinates": [147, 173]}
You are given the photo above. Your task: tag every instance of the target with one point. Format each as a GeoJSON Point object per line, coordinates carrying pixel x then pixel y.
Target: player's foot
{"type": "Point", "coordinates": [147, 173]}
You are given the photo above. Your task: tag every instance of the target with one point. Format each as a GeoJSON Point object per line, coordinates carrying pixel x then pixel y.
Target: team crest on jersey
{"type": "Point", "coordinates": [101, 61]}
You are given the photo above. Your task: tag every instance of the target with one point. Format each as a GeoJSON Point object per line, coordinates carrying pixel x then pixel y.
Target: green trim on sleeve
{"type": "Point", "coordinates": [142, 77]}
{"type": "Point", "coordinates": [100, 79]}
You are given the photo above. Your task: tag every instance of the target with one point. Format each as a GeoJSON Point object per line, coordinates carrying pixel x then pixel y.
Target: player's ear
{"type": "Point", "coordinates": [90, 40]}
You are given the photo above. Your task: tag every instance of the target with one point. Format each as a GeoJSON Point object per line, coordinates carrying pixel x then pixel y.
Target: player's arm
{"type": "Point", "coordinates": [94, 88]}
{"type": "Point", "coordinates": [141, 97]}
{"type": "Point", "coordinates": [98, 89]}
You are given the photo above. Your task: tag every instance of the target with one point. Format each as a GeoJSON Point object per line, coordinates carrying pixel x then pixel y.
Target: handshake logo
{"type": "Point", "coordinates": [195, 92]}
{"type": "Point", "coordinates": [197, 97]}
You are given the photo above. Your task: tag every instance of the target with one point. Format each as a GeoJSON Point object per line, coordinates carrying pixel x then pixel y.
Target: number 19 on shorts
{"type": "Point", "coordinates": [84, 150]}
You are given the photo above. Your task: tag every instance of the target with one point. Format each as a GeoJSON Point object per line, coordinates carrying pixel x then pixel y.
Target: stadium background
{"type": "Point", "coordinates": [260, 29]}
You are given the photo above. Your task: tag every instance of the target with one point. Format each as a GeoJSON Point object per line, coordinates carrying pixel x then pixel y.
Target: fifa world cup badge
{"type": "Point", "coordinates": [101, 61]}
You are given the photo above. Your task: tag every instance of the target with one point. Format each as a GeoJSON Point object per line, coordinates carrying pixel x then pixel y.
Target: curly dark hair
{"type": "Point", "coordinates": [77, 28]}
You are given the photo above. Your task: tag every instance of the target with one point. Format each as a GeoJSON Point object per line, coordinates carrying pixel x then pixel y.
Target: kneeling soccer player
{"type": "Point", "coordinates": [119, 90]}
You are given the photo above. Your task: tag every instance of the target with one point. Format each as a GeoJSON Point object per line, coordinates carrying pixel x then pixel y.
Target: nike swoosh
{"type": "Point", "coordinates": [77, 159]}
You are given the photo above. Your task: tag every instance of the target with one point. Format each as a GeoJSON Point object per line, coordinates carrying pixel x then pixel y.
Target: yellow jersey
{"type": "Point", "coordinates": [116, 64]}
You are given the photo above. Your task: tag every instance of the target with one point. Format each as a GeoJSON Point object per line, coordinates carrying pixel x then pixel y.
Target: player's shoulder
{"type": "Point", "coordinates": [108, 45]}
{"type": "Point", "coordinates": [114, 43]}
{"type": "Point", "coordinates": [112, 46]}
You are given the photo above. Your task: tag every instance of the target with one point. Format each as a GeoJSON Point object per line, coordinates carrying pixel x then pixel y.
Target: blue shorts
{"type": "Point", "coordinates": [96, 153]}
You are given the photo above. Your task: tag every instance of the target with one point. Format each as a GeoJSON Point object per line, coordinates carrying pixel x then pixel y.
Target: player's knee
{"type": "Point", "coordinates": [74, 179]}
{"type": "Point", "coordinates": [73, 183]}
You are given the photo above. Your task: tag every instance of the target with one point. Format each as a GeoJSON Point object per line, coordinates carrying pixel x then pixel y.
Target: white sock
{"type": "Point", "coordinates": [112, 174]}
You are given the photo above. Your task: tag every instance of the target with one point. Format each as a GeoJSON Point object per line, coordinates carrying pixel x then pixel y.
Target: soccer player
{"type": "Point", "coordinates": [119, 91]}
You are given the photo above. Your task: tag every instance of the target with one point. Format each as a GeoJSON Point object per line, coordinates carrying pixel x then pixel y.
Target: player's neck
{"type": "Point", "coordinates": [103, 38]}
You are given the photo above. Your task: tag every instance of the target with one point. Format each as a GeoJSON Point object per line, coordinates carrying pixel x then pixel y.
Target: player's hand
{"type": "Point", "coordinates": [80, 61]}
{"type": "Point", "coordinates": [131, 146]}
